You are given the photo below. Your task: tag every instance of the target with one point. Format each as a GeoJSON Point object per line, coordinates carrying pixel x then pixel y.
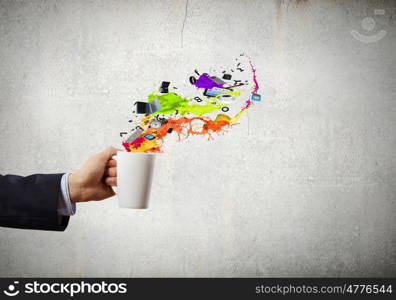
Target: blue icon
{"type": "Point", "coordinates": [149, 137]}
{"type": "Point", "coordinates": [255, 97]}
{"type": "Point", "coordinates": [212, 92]}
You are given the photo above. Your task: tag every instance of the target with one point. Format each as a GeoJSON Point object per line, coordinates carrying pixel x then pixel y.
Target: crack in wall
{"type": "Point", "coordinates": [184, 22]}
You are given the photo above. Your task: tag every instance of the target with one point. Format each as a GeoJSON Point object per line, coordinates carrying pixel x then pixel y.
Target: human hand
{"type": "Point", "coordinates": [94, 179]}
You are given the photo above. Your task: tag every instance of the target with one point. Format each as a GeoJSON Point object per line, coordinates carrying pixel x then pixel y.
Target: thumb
{"type": "Point", "coordinates": [109, 152]}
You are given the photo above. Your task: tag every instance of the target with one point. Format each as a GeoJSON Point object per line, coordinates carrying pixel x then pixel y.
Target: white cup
{"type": "Point", "coordinates": [134, 178]}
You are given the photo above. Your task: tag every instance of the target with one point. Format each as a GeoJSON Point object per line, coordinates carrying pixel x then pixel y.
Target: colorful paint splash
{"type": "Point", "coordinates": [201, 113]}
{"type": "Point", "coordinates": [170, 103]}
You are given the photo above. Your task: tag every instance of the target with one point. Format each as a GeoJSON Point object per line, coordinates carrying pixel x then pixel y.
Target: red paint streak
{"type": "Point", "coordinates": [126, 146]}
{"type": "Point", "coordinates": [256, 85]}
{"type": "Point", "coordinates": [137, 142]}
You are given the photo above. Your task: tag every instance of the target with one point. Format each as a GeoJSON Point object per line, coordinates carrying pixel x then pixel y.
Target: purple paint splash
{"type": "Point", "coordinates": [205, 82]}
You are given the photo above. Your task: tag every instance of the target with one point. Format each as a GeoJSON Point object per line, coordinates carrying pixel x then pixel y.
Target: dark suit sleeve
{"type": "Point", "coordinates": [31, 202]}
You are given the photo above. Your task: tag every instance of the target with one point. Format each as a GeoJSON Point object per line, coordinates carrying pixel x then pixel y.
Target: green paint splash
{"type": "Point", "coordinates": [200, 110]}
{"type": "Point", "coordinates": [171, 102]}
{"type": "Point", "coordinates": [235, 94]}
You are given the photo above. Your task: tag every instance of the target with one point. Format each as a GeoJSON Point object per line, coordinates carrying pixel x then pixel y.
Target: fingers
{"type": "Point", "coordinates": [111, 163]}
{"type": "Point", "coordinates": [112, 181]}
{"type": "Point", "coordinates": [111, 166]}
{"type": "Point", "coordinates": [111, 172]}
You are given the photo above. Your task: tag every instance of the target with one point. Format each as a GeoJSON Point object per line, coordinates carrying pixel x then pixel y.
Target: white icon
{"type": "Point", "coordinates": [368, 24]}
{"type": "Point", "coordinates": [379, 11]}
{"type": "Point", "coordinates": [12, 292]}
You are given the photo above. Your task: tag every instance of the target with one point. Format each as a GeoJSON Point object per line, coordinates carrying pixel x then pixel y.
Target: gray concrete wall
{"type": "Point", "coordinates": [305, 186]}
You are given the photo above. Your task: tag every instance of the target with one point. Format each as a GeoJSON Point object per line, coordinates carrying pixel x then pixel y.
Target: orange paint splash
{"type": "Point", "coordinates": [183, 127]}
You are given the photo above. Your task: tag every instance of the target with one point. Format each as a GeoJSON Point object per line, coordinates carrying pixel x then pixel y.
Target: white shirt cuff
{"type": "Point", "coordinates": [65, 206]}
